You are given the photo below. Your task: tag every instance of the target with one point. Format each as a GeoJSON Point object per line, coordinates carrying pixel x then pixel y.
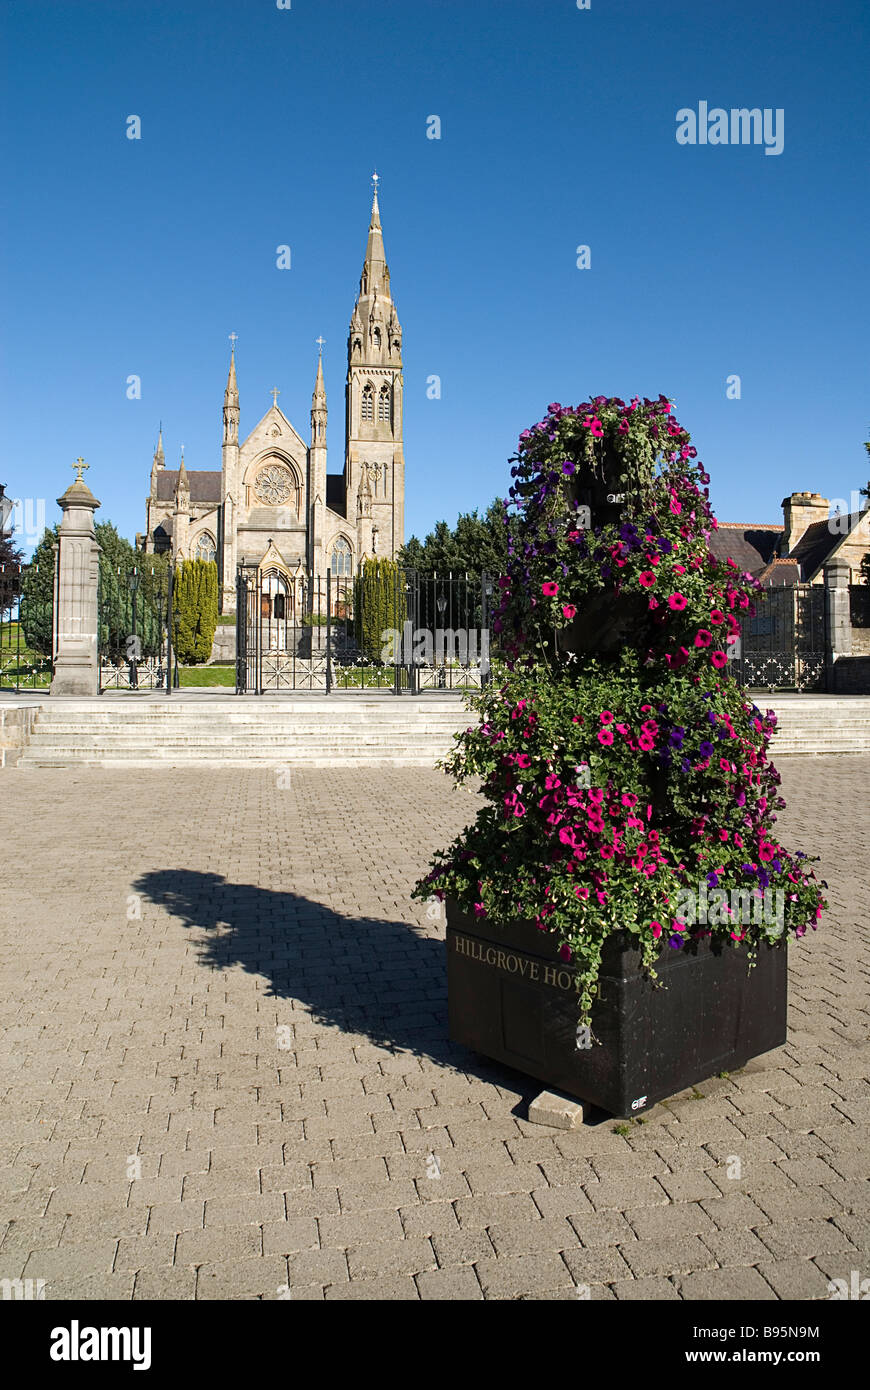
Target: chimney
{"type": "Point", "coordinates": [799, 511]}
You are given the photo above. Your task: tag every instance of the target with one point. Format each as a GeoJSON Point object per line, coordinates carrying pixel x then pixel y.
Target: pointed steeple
{"type": "Point", "coordinates": [231, 401]}
{"type": "Point", "coordinates": [159, 456]}
{"type": "Point", "coordinates": [319, 395]}
{"type": "Point", "coordinates": [231, 395]}
{"type": "Point", "coordinates": [318, 405]}
{"type": "Point", "coordinates": [182, 485]}
{"type": "Point", "coordinates": [375, 274]}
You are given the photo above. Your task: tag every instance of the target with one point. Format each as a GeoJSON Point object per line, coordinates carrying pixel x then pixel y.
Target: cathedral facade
{"type": "Point", "coordinates": [272, 503]}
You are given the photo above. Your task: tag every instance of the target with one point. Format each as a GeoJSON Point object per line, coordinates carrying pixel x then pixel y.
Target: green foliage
{"type": "Point", "coordinates": [195, 610]}
{"type": "Point", "coordinates": [378, 605]}
{"type": "Point", "coordinates": [118, 620]}
{"type": "Point", "coordinates": [118, 558]}
{"type": "Point", "coordinates": [37, 595]}
{"type": "Point", "coordinates": [476, 544]}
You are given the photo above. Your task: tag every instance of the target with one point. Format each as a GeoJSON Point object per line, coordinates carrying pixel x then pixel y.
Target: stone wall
{"type": "Point", "coordinates": [16, 724]}
{"type": "Point", "coordinates": [851, 676]}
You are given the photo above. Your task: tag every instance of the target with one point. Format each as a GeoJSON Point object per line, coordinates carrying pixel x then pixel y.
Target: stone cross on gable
{"type": "Point", "coordinates": [81, 466]}
{"type": "Point", "coordinates": [320, 341]}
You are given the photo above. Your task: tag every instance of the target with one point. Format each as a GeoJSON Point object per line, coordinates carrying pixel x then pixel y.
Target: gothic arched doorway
{"type": "Point", "coordinates": [276, 611]}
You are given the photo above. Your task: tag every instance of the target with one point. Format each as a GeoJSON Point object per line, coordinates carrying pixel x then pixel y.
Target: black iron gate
{"type": "Point", "coordinates": [403, 632]}
{"type": "Point", "coordinates": [783, 647]}
{"type": "Point", "coordinates": [135, 634]}
{"type": "Point", "coordinates": [27, 631]}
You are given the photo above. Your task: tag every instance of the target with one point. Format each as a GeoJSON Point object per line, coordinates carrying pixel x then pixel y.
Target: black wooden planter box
{"type": "Point", "coordinates": [510, 998]}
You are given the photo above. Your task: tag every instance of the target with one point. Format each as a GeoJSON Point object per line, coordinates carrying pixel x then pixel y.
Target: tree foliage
{"type": "Point", "coordinates": [378, 604]}
{"type": "Point", "coordinates": [195, 609]}
{"type": "Point", "coordinates": [476, 544]}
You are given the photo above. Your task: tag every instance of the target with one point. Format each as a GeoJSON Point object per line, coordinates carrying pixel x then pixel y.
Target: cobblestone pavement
{"type": "Point", "coordinates": [240, 1092]}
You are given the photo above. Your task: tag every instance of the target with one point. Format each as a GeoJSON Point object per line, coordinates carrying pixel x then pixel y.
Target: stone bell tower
{"type": "Point", "coordinates": [374, 448]}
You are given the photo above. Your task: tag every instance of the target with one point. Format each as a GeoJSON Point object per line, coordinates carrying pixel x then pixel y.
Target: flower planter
{"type": "Point", "coordinates": [511, 999]}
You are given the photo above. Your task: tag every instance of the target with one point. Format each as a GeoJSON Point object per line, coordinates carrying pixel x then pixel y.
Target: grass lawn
{"type": "Point", "coordinates": [207, 675]}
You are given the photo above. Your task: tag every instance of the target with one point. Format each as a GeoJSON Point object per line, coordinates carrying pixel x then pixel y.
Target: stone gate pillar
{"type": "Point", "coordinates": [838, 619]}
{"type": "Point", "coordinates": [76, 661]}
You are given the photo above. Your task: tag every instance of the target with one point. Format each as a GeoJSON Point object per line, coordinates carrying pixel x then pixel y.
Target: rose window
{"type": "Point", "coordinates": [274, 484]}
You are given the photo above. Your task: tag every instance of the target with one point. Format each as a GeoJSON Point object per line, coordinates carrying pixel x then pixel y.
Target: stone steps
{"type": "Point", "coordinates": [350, 731]}
{"type": "Point", "coordinates": [311, 732]}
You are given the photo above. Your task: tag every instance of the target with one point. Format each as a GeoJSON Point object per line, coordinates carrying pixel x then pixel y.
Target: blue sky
{"type": "Point", "coordinates": [261, 127]}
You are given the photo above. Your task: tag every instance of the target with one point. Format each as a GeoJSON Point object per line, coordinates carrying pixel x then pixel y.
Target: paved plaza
{"type": "Point", "coordinates": [224, 1070]}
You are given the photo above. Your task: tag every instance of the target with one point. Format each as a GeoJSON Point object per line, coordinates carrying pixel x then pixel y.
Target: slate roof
{"type": "Point", "coordinates": [779, 572]}
{"type": "Point", "coordinates": [751, 545]}
{"type": "Point", "coordinates": [205, 484]}
{"type": "Point", "coordinates": [817, 543]}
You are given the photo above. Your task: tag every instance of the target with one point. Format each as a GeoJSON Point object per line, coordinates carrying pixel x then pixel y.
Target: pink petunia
{"type": "Point", "coordinates": [677, 602]}
{"type": "Point", "coordinates": [703, 638]}
{"type": "Point", "coordinates": [568, 611]}
{"type": "Point", "coordinates": [646, 743]}
{"type": "Point", "coordinates": [717, 616]}
{"type": "Point", "coordinates": [605, 736]}
{"type": "Point", "coordinates": [719, 659]}
{"type": "Point", "coordinates": [606, 716]}
{"type": "Point", "coordinates": [656, 929]}
{"type": "Point", "coordinates": [646, 578]}
{"type": "Point", "coordinates": [550, 589]}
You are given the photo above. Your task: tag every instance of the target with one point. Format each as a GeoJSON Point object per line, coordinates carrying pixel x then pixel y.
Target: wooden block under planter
{"type": "Point", "coordinates": [512, 999]}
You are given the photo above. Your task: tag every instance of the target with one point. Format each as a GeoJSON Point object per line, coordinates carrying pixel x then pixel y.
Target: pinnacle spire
{"type": "Point", "coordinates": [319, 396]}
{"type": "Point", "coordinates": [159, 456]}
{"type": "Point", "coordinates": [231, 395]}
{"type": "Point", "coordinates": [375, 273]}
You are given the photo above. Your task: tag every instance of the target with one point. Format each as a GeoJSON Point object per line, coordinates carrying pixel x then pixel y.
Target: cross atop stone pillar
{"type": "Point", "coordinates": [76, 658]}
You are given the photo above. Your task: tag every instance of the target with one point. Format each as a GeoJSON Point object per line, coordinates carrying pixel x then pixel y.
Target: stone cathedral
{"type": "Point", "coordinates": [272, 502]}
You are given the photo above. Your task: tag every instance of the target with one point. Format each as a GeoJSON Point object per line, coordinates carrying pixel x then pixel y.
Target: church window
{"type": "Point", "coordinates": [205, 548]}
{"type": "Point", "coordinates": [384, 403]}
{"type": "Point", "coordinates": [368, 403]}
{"type": "Point", "coordinates": [377, 337]}
{"type": "Point", "coordinates": [274, 484]}
{"type": "Point", "coordinates": [342, 558]}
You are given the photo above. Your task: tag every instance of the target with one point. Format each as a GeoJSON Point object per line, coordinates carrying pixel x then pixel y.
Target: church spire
{"type": "Point", "coordinates": [159, 456]}
{"type": "Point", "coordinates": [376, 274]}
{"type": "Point", "coordinates": [318, 404]}
{"type": "Point", "coordinates": [231, 395]}
{"type": "Point", "coordinates": [231, 400]}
